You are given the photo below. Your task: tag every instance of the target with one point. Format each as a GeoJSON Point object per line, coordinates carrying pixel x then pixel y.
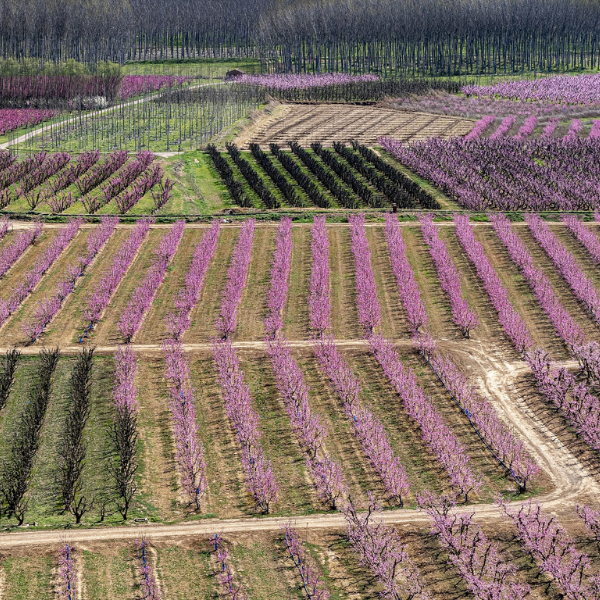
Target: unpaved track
{"type": "Point", "coordinates": [572, 482]}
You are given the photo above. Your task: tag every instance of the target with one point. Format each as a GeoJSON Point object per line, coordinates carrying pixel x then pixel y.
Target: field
{"type": "Point", "coordinates": [105, 559]}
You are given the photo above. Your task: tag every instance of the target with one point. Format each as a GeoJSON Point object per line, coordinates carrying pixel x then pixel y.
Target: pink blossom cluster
{"type": "Point", "coordinates": [318, 286]}
{"type": "Point", "coordinates": [189, 452]}
{"type": "Point", "coordinates": [595, 130]}
{"type": "Point", "coordinates": [100, 297]}
{"type": "Point", "coordinates": [237, 276]}
{"type": "Point", "coordinates": [61, 202]}
{"type": "Point", "coordinates": [124, 392]}
{"type": "Point", "coordinates": [500, 440]}
{"type": "Point", "coordinates": [509, 318]}
{"type": "Point", "coordinates": [503, 128]}
{"type": "Point", "coordinates": [141, 186]}
{"type": "Point", "coordinates": [480, 127]}
{"type": "Point", "coordinates": [73, 172]}
{"type": "Point", "coordinates": [150, 590]}
{"type": "Point", "coordinates": [550, 128]}
{"type": "Point", "coordinates": [568, 89]}
{"type": "Point", "coordinates": [531, 174]}
{"type": "Point", "coordinates": [178, 322]}
{"type": "Point", "coordinates": [306, 425]}
{"type": "Point", "coordinates": [48, 307]}
{"type": "Point", "coordinates": [11, 254]}
{"type": "Point", "coordinates": [565, 262]}
{"type": "Point", "coordinates": [142, 297]}
{"type": "Point", "coordinates": [464, 318]}
{"type": "Point", "coordinates": [574, 129]}
{"type": "Point", "coordinates": [313, 585]}
{"type": "Point", "coordinates": [380, 549]}
{"type": "Point", "coordinates": [67, 574]}
{"type": "Point", "coordinates": [303, 82]}
{"type": "Point", "coordinates": [487, 574]}
{"type": "Point", "coordinates": [245, 420]}
{"type": "Point", "coordinates": [11, 170]}
{"type": "Point", "coordinates": [408, 289]}
{"type": "Point", "coordinates": [367, 427]}
{"type": "Point", "coordinates": [591, 519]}
{"type": "Point", "coordinates": [280, 273]}
{"type": "Point", "coordinates": [369, 312]}
{"type": "Point", "coordinates": [574, 400]}
{"type": "Point", "coordinates": [94, 176]}
{"type": "Point", "coordinates": [565, 325]}
{"type": "Point", "coordinates": [13, 118]}
{"type": "Point", "coordinates": [477, 107]}
{"type": "Point", "coordinates": [134, 85]}
{"type": "Point", "coordinates": [226, 577]}
{"type": "Point", "coordinates": [442, 442]}
{"type": "Point", "coordinates": [127, 175]}
{"type": "Point", "coordinates": [527, 128]}
{"type": "Point", "coordinates": [33, 276]}
{"type": "Point", "coordinates": [554, 552]}
{"type": "Point", "coordinates": [584, 235]}
{"type": "Point", "coordinates": [35, 177]}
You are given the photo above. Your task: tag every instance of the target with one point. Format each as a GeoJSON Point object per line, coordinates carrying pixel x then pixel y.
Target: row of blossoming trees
{"type": "Point", "coordinates": [379, 547]}
{"type": "Point", "coordinates": [56, 182]}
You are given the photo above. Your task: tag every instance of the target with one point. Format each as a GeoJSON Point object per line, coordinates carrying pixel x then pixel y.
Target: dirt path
{"type": "Point", "coordinates": [571, 480]}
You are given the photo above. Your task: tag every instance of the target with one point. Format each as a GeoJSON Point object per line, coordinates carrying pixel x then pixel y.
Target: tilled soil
{"type": "Point", "coordinates": [328, 123]}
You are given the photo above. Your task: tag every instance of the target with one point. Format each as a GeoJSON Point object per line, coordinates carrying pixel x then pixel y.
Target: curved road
{"type": "Point", "coordinates": [571, 480]}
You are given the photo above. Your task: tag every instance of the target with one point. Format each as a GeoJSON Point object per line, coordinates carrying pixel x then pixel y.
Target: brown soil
{"type": "Point", "coordinates": [68, 323]}
{"type": "Point", "coordinates": [326, 123]}
{"type": "Point", "coordinates": [296, 322]}
{"type": "Point", "coordinates": [344, 315]}
{"type": "Point", "coordinates": [253, 308]}
{"type": "Point", "coordinates": [13, 328]}
{"type": "Point", "coordinates": [206, 312]}
{"type": "Point", "coordinates": [158, 475]}
{"type": "Point", "coordinates": [106, 331]}
{"type": "Point", "coordinates": [153, 329]}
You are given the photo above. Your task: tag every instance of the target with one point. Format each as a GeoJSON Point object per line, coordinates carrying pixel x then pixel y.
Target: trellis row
{"type": "Point", "coordinates": [149, 585]}
{"type": "Point", "coordinates": [442, 442]}
{"type": "Point", "coordinates": [47, 308]}
{"type": "Point", "coordinates": [367, 428]}
{"type": "Point", "coordinates": [586, 352]}
{"type": "Point", "coordinates": [245, 420]}
{"type": "Point", "coordinates": [565, 262]}
{"type": "Point", "coordinates": [408, 288]}
{"type": "Point", "coordinates": [380, 549]}
{"type": "Point", "coordinates": [178, 322]}
{"type": "Point", "coordinates": [67, 573]}
{"type": "Point", "coordinates": [313, 584]}
{"type": "Point", "coordinates": [226, 577]}
{"type": "Point", "coordinates": [573, 399]}
{"type": "Point", "coordinates": [464, 318]}
{"type": "Point", "coordinates": [189, 452]}
{"type": "Point", "coordinates": [280, 272]}
{"type": "Point", "coordinates": [101, 296]}
{"type": "Point", "coordinates": [554, 552]}
{"type": "Point", "coordinates": [591, 519]}
{"type": "Point", "coordinates": [495, 434]}
{"type": "Point", "coordinates": [318, 287]}
{"type": "Point", "coordinates": [237, 276]}
{"type": "Point", "coordinates": [584, 235]}
{"type": "Point", "coordinates": [310, 432]}
{"type": "Point", "coordinates": [509, 318]}
{"type": "Point", "coordinates": [142, 297]}
{"type": "Point", "coordinates": [11, 254]}
{"type": "Point", "coordinates": [35, 274]}
{"type": "Point", "coordinates": [484, 570]}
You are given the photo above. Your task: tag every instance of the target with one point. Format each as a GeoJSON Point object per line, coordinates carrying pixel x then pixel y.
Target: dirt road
{"type": "Point", "coordinates": [496, 377]}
